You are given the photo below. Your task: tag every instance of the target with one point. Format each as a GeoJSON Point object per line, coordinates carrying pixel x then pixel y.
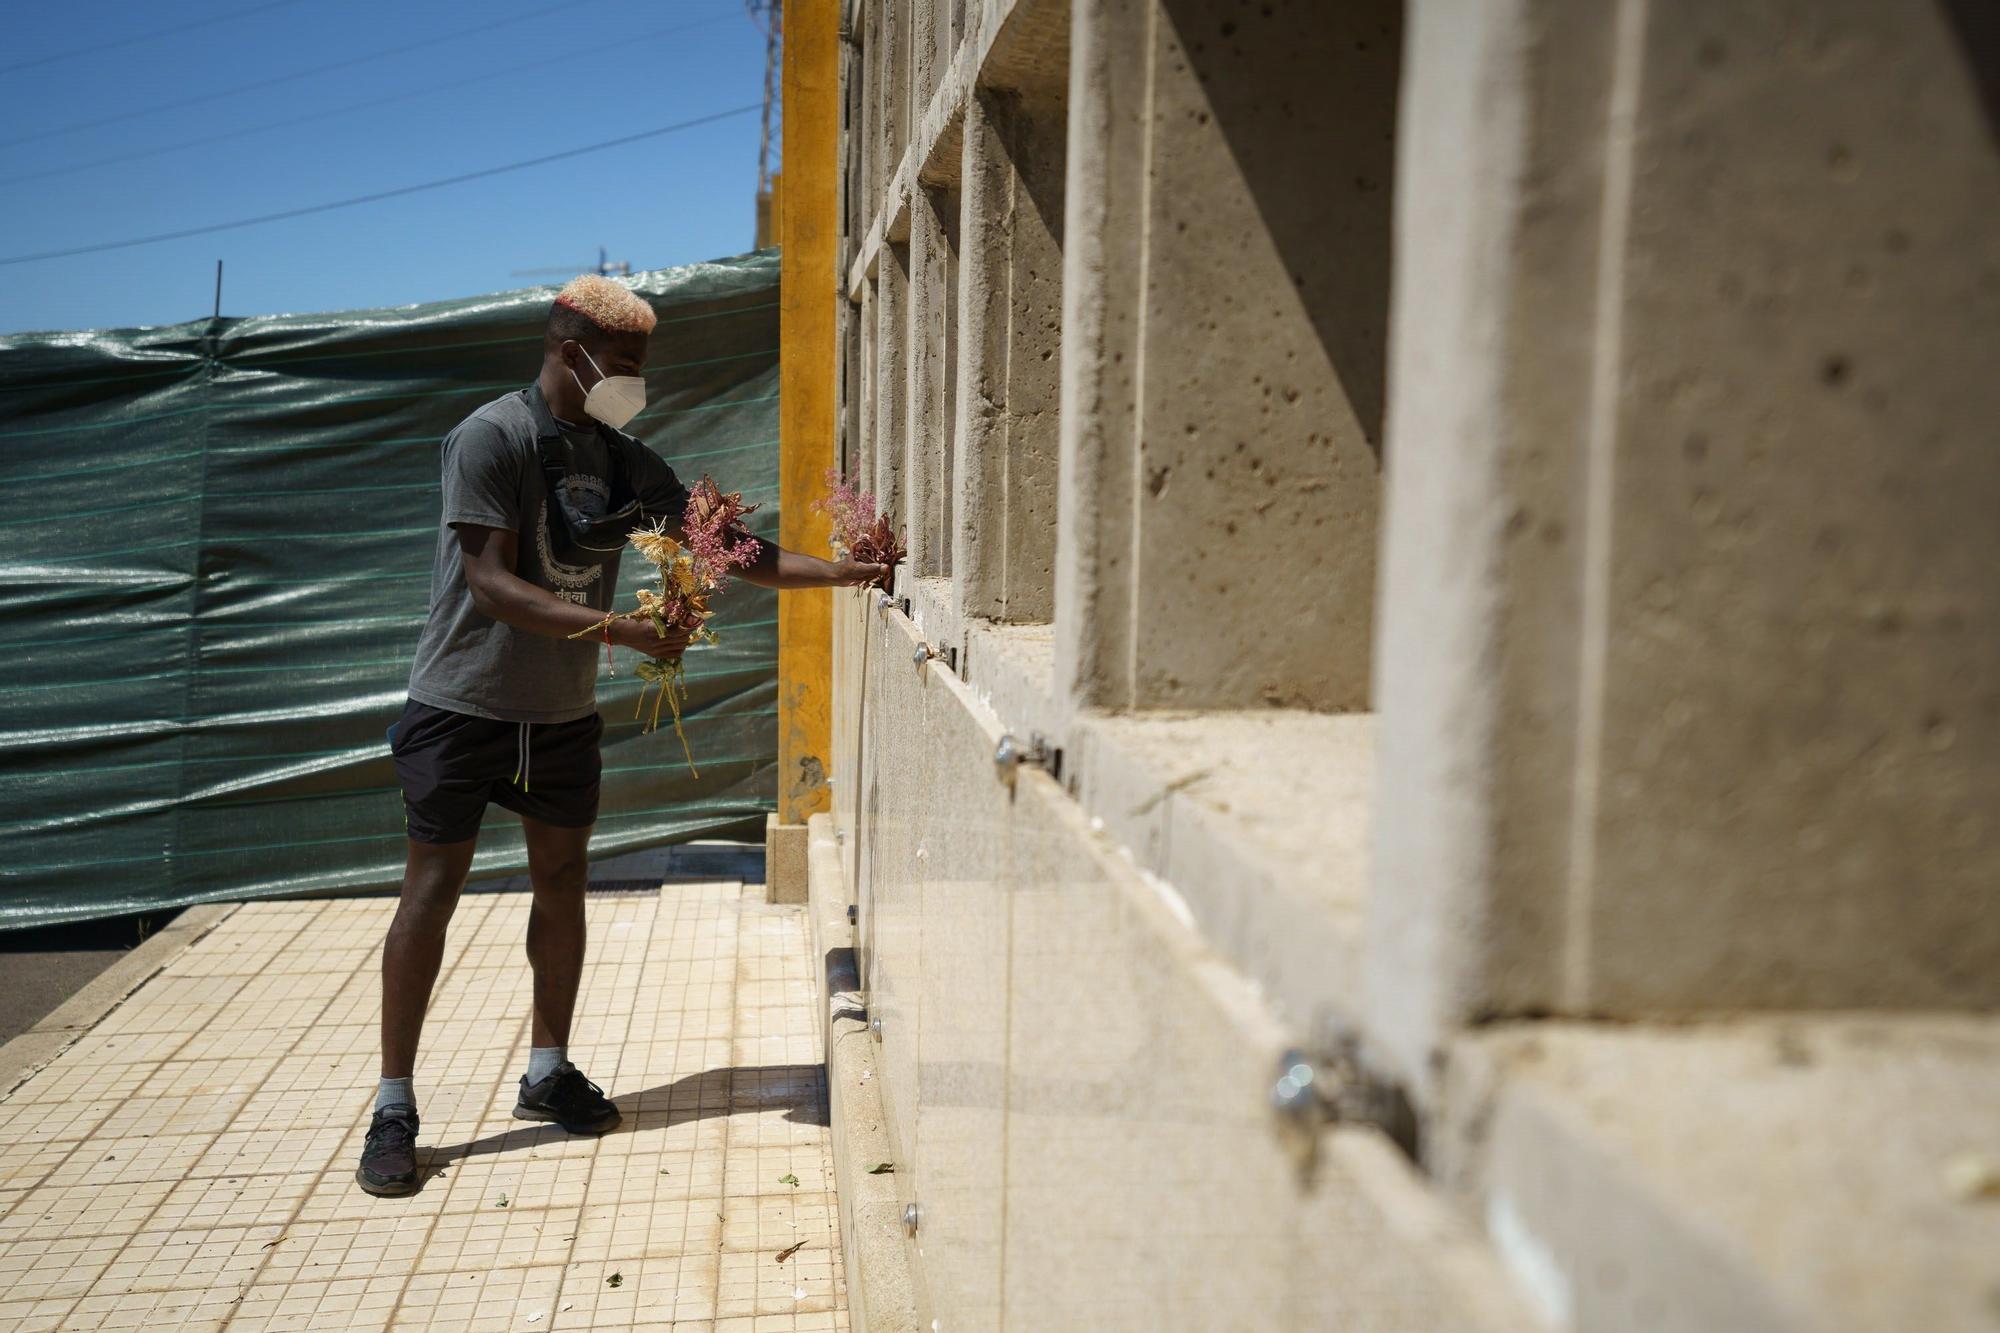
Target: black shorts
{"type": "Point", "coordinates": [451, 764]}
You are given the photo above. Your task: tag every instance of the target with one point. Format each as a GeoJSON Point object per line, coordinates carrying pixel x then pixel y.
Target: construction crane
{"type": "Point", "coordinates": [605, 268]}
{"type": "Point", "coordinates": [769, 16]}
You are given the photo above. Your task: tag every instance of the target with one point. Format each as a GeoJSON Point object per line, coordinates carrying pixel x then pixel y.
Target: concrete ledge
{"type": "Point", "coordinates": [1785, 1173]}
{"type": "Point", "coordinates": [1413, 1217]}
{"type": "Point", "coordinates": [883, 1295]}
{"type": "Point", "coordinates": [22, 1057]}
{"type": "Point", "coordinates": [1262, 821]}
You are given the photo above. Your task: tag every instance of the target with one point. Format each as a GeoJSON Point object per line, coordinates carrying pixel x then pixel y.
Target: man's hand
{"type": "Point", "coordinates": [858, 574]}
{"type": "Point", "coordinates": [640, 635]}
{"type": "Point", "coordinates": [776, 567]}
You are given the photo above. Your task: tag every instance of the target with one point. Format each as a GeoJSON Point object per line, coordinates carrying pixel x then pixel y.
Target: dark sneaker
{"type": "Point", "coordinates": [570, 1100]}
{"type": "Point", "coordinates": [389, 1155]}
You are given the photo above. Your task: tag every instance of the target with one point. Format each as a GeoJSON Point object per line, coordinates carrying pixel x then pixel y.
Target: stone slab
{"type": "Point", "coordinates": [881, 1282]}
{"type": "Point", "coordinates": [1782, 1173]}
{"type": "Point", "coordinates": [785, 860]}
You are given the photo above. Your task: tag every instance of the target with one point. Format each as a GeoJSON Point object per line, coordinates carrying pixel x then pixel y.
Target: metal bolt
{"type": "Point", "coordinates": [1294, 1092]}
{"type": "Point", "coordinates": [1331, 1085]}
{"type": "Point", "coordinates": [1302, 1109]}
{"type": "Point", "coordinates": [912, 1218]}
{"type": "Point", "coordinates": [1007, 758]}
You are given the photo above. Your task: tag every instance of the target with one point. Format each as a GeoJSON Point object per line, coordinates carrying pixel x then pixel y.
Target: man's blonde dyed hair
{"type": "Point", "coordinates": [609, 305]}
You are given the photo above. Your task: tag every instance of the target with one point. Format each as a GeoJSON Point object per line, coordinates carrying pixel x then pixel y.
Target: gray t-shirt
{"type": "Point", "coordinates": [492, 477]}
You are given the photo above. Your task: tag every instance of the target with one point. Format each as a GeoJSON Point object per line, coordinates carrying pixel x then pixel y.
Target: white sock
{"type": "Point", "coordinates": [394, 1092]}
{"type": "Point", "coordinates": [542, 1061]}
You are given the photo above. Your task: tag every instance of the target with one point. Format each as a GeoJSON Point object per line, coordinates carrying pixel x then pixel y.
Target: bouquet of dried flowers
{"type": "Point", "coordinates": [858, 531]}
{"type": "Point", "coordinates": [690, 572]}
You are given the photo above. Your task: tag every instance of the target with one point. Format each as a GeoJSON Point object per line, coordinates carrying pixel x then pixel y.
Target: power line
{"type": "Point", "coordinates": [379, 195]}
{"type": "Point", "coordinates": [428, 90]}
{"type": "Point", "coordinates": [349, 63]}
{"type": "Point", "coordinates": [136, 38]}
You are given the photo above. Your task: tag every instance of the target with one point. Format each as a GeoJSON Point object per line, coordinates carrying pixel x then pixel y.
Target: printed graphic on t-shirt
{"type": "Point", "coordinates": [572, 583]}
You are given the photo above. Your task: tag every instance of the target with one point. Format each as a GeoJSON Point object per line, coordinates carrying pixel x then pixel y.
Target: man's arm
{"type": "Point", "coordinates": [775, 567]}
{"type": "Point", "coordinates": [487, 555]}
{"type": "Point", "coordinates": [662, 493]}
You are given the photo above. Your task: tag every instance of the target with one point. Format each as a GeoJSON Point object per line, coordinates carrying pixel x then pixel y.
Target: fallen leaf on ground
{"type": "Point", "coordinates": [269, 1243]}
{"type": "Point", "coordinates": [1972, 1175]}
{"type": "Point", "coordinates": [788, 1179]}
{"type": "Point", "coordinates": [881, 1168]}
{"type": "Point", "coordinates": [502, 1203]}
{"type": "Point", "coordinates": [789, 1251]}
{"type": "Point", "coordinates": [615, 1280]}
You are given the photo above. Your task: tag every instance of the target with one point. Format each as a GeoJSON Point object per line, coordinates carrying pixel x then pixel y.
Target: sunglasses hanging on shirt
{"type": "Point", "coordinates": [576, 536]}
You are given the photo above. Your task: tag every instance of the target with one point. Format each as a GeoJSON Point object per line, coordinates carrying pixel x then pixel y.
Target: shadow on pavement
{"type": "Point", "coordinates": [799, 1089]}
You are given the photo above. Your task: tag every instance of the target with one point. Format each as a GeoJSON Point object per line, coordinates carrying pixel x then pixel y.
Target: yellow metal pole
{"type": "Point", "coordinates": [808, 234]}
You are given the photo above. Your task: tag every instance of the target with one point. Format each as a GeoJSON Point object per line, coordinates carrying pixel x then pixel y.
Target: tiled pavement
{"type": "Point", "coordinates": [189, 1161]}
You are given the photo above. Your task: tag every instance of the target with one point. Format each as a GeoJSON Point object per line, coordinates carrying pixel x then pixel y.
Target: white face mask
{"type": "Point", "coordinates": [614, 399]}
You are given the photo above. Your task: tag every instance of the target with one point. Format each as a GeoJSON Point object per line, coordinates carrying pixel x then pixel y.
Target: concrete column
{"type": "Point", "coordinates": [930, 28]}
{"type": "Point", "coordinates": [873, 107]}
{"type": "Point", "coordinates": [933, 339]}
{"type": "Point", "coordinates": [853, 138]}
{"type": "Point", "coordinates": [892, 342]}
{"type": "Point", "coordinates": [808, 229]}
{"type": "Point", "coordinates": [897, 117]}
{"type": "Point", "coordinates": [1010, 354]}
{"type": "Point", "coordinates": [862, 467]}
{"type": "Point", "coordinates": [1690, 664]}
{"type": "Point", "coordinates": [847, 452]}
{"type": "Point", "coordinates": [1226, 305]}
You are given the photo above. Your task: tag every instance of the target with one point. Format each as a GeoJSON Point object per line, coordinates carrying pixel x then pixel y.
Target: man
{"type": "Point", "coordinates": [540, 488]}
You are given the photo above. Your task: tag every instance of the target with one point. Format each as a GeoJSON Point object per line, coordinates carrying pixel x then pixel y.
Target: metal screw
{"type": "Point", "coordinates": [912, 1217]}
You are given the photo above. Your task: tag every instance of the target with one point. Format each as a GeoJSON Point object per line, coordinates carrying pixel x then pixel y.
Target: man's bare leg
{"type": "Point", "coordinates": [433, 876]}
{"type": "Point", "coordinates": [558, 868]}
{"type": "Point", "coordinates": [552, 1089]}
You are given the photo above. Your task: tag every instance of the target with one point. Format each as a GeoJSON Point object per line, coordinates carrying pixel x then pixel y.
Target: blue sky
{"type": "Point", "coordinates": [590, 73]}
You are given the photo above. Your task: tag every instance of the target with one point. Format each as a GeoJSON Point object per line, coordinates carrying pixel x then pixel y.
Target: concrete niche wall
{"type": "Point", "coordinates": [1690, 665]}
{"type": "Point", "coordinates": [1226, 311]}
{"type": "Point", "coordinates": [892, 350]}
{"type": "Point", "coordinates": [1010, 302]}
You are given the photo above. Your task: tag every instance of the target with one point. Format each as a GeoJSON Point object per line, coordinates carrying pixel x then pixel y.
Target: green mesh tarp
{"type": "Point", "coordinates": [217, 558]}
